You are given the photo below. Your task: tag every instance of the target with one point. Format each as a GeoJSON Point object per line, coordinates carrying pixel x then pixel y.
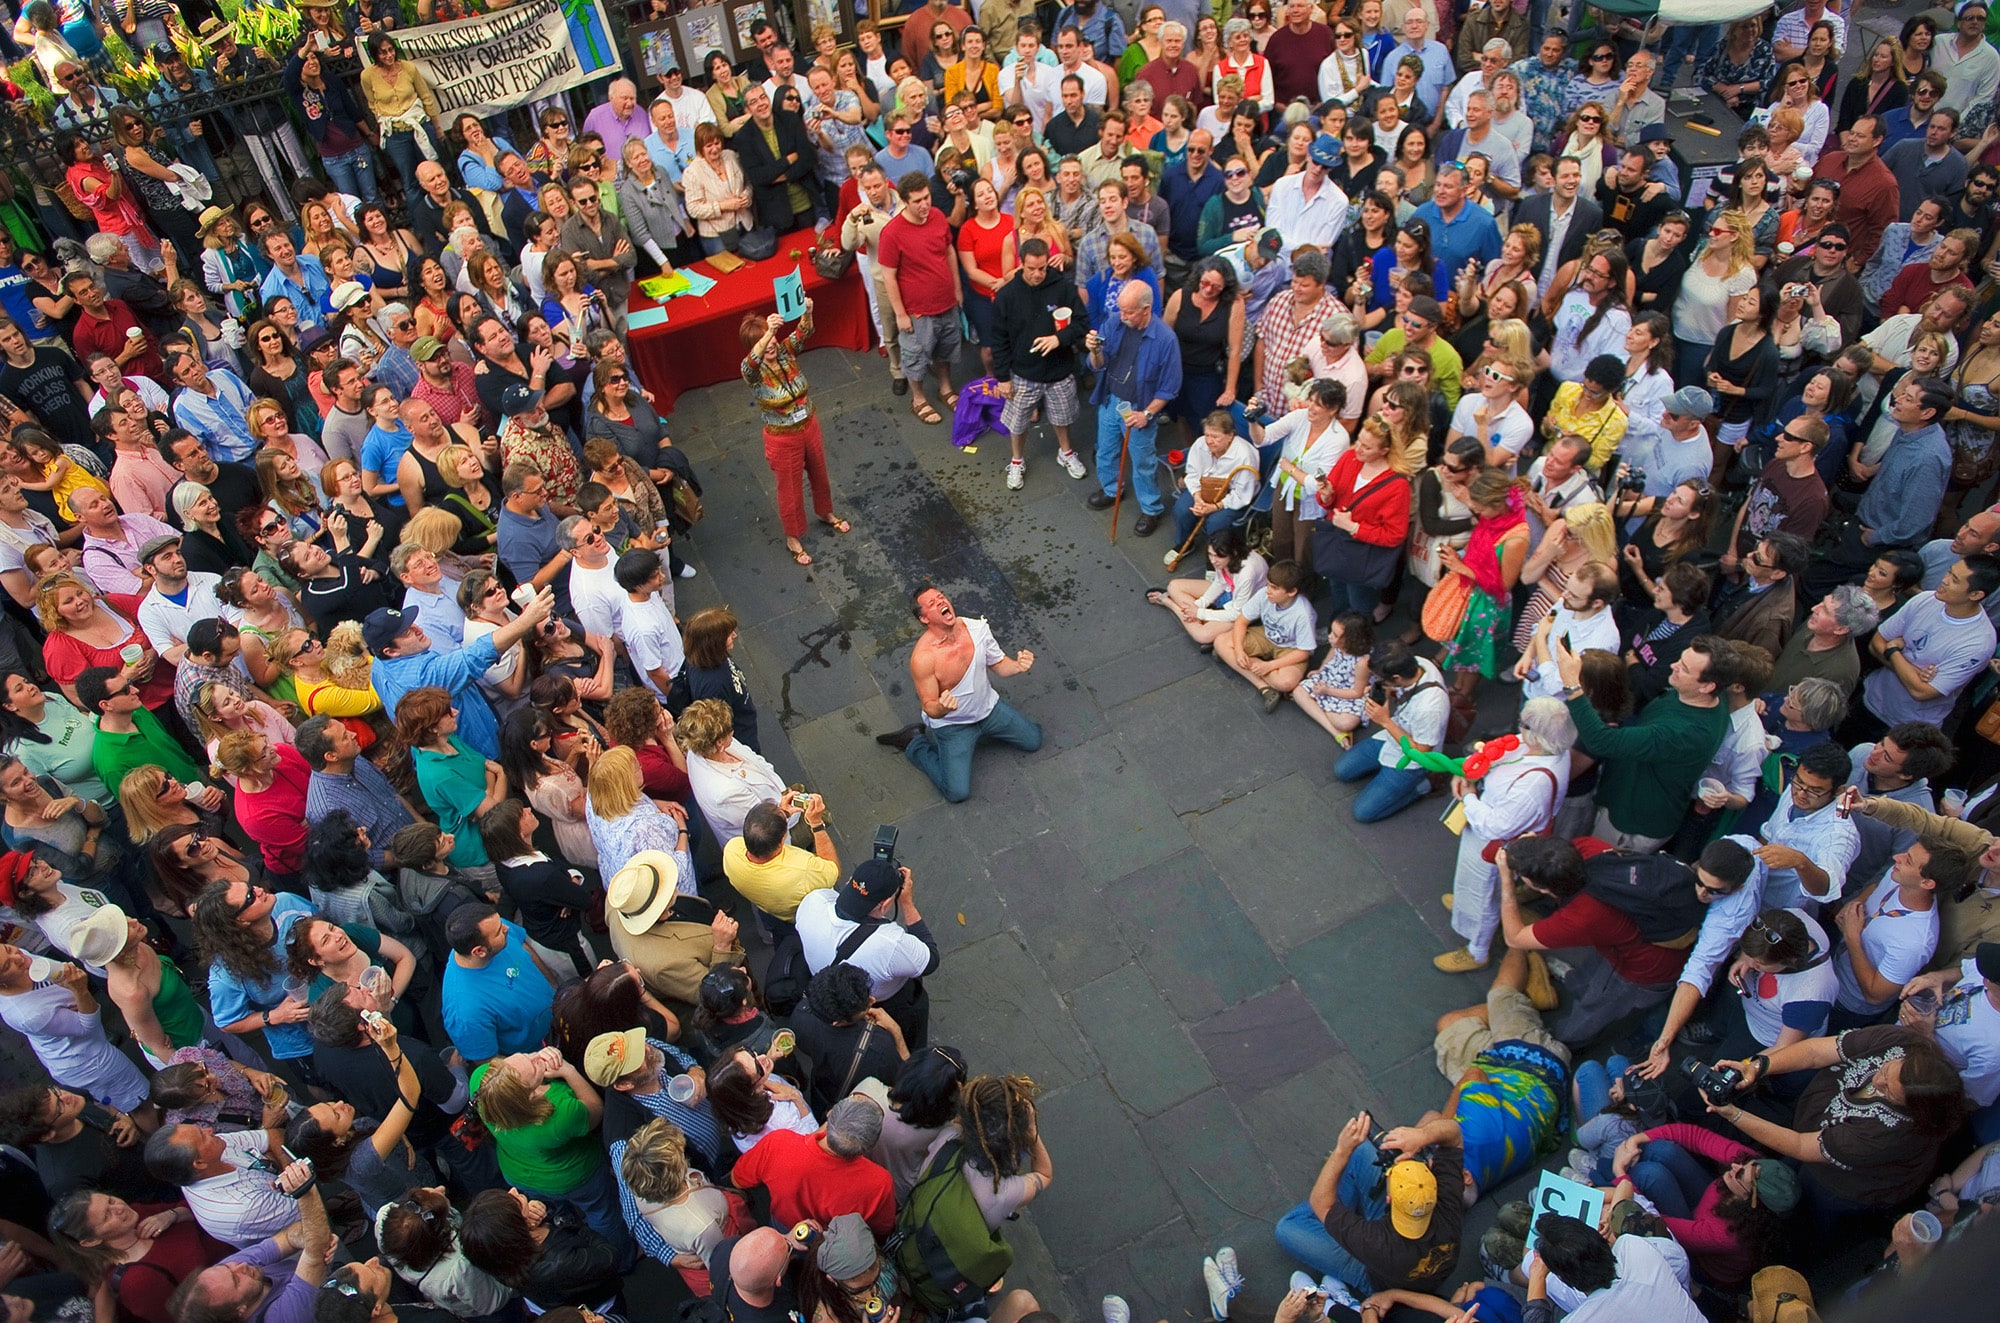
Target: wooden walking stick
{"type": "Point", "coordinates": [1213, 489]}
{"type": "Point", "coordinates": [1124, 449]}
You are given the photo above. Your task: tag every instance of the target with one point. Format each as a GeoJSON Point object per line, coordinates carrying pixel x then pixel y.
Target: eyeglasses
{"type": "Point", "coordinates": [899, 133]}
{"type": "Point", "coordinates": [274, 526]}
{"type": "Point", "coordinates": [1832, 245]}
{"type": "Point", "coordinates": [1235, 174]}
{"type": "Point", "coordinates": [495, 591]}
{"type": "Point", "coordinates": [1720, 232]}
{"type": "Point", "coordinates": [1924, 89]}
{"type": "Point", "coordinates": [1803, 791]}
{"type": "Point", "coordinates": [1495, 374]}
{"type": "Point", "coordinates": [585, 202]}
{"type": "Point", "coordinates": [1602, 55]}
{"type": "Point", "coordinates": [345, 1287]}
{"type": "Point", "coordinates": [1457, 468]}
{"type": "Point", "coordinates": [556, 124]}
{"type": "Point", "coordinates": [1590, 119]}
{"type": "Point", "coordinates": [1343, 33]}
{"type": "Point", "coordinates": [618, 380]}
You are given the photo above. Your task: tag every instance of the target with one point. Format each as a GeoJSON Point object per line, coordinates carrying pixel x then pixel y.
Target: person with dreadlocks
{"type": "Point", "coordinates": [1004, 1158]}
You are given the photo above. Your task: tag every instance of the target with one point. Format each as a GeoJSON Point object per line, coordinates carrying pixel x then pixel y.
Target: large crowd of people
{"type": "Point", "coordinates": [386, 853]}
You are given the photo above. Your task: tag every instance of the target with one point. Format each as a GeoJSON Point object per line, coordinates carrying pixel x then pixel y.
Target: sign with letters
{"type": "Point", "coordinates": [512, 56]}
{"type": "Point", "coordinates": [1557, 1194]}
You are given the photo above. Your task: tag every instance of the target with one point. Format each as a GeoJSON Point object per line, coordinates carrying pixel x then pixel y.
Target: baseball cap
{"type": "Point", "coordinates": [1325, 150]}
{"type": "Point", "coordinates": [1986, 959]}
{"type": "Point", "coordinates": [1413, 1193]}
{"type": "Point", "coordinates": [874, 881]}
{"type": "Point", "coordinates": [426, 348]}
{"type": "Point", "coordinates": [155, 545]}
{"type": "Point", "coordinates": [611, 1057]}
{"type": "Point", "coordinates": [519, 398]}
{"type": "Point", "coordinates": [1270, 243]}
{"type": "Point", "coordinates": [1691, 402]}
{"type": "Point", "coordinates": [385, 624]}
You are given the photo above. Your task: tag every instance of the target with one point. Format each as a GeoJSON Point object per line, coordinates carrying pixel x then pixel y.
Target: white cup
{"type": "Point", "coordinates": [1708, 787]}
{"type": "Point", "coordinates": [41, 969]}
{"type": "Point", "coordinates": [681, 1088]}
{"type": "Point", "coordinates": [523, 595]}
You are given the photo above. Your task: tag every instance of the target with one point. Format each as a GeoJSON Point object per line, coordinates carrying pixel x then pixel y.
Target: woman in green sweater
{"type": "Point", "coordinates": [544, 1115]}
{"type": "Point", "coordinates": [149, 990]}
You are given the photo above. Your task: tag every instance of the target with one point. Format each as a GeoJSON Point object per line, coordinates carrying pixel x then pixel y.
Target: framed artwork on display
{"type": "Point", "coordinates": [813, 15]}
{"type": "Point", "coordinates": [702, 30]}
{"type": "Point", "coordinates": [656, 49]}
{"type": "Point", "coordinates": [743, 15]}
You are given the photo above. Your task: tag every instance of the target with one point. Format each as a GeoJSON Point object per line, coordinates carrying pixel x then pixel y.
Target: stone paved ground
{"type": "Point", "coordinates": [1166, 916]}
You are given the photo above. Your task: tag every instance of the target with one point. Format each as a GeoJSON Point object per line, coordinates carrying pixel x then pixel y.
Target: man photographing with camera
{"type": "Point", "coordinates": [871, 922]}
{"type": "Point", "coordinates": [1384, 1213]}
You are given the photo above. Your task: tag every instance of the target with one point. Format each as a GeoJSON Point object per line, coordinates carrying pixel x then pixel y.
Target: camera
{"type": "Point", "coordinates": [1378, 692]}
{"type": "Point", "coordinates": [1718, 1085]}
{"type": "Point", "coordinates": [1633, 478]}
{"type": "Point", "coordinates": [885, 843]}
{"type": "Point", "coordinates": [963, 180]}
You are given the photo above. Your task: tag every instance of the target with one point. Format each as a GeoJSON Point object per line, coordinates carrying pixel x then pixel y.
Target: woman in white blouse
{"type": "Point", "coordinates": [752, 1101]}
{"type": "Point", "coordinates": [1795, 92]}
{"type": "Point", "coordinates": [1518, 797]}
{"type": "Point", "coordinates": [1310, 439]}
{"type": "Point", "coordinates": [729, 778]}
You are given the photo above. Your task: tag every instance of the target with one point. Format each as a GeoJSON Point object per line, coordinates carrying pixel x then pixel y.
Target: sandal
{"type": "Point", "coordinates": [800, 556]}
{"type": "Point", "coordinates": [951, 399]}
{"type": "Point", "coordinates": [838, 525]}
{"type": "Point", "coordinates": [1156, 596]}
{"type": "Point", "coordinates": [925, 413]}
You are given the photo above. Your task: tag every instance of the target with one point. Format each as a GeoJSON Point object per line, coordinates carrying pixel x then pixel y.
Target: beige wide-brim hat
{"type": "Point", "coordinates": [640, 892]}
{"type": "Point", "coordinates": [99, 939]}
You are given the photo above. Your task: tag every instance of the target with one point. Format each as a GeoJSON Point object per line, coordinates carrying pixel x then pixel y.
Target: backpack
{"type": "Point", "coordinates": [785, 978]}
{"type": "Point", "coordinates": [946, 1254]}
{"type": "Point", "coordinates": [1655, 891]}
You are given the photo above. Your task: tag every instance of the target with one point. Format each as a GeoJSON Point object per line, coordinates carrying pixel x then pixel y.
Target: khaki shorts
{"type": "Point", "coordinates": [1509, 1014]}
{"type": "Point", "coordinates": [1257, 645]}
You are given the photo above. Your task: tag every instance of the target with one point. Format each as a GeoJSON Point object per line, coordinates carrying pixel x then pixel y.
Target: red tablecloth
{"type": "Point", "coordinates": [698, 345]}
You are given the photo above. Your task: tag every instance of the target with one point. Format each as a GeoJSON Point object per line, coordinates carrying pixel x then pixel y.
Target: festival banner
{"type": "Point", "coordinates": [512, 56]}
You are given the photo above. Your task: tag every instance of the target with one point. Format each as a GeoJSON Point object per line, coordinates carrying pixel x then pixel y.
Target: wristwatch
{"type": "Point", "coordinates": [816, 826]}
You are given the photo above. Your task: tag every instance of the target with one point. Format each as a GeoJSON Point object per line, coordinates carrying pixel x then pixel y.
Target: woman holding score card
{"type": "Point", "coordinates": [793, 446]}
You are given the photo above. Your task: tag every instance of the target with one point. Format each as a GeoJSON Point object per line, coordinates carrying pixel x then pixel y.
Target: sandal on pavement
{"type": "Point", "coordinates": [838, 525]}
{"type": "Point", "coordinates": [1156, 596]}
{"type": "Point", "coordinates": [951, 399]}
{"type": "Point", "coordinates": [800, 555]}
{"type": "Point", "coordinates": [925, 413]}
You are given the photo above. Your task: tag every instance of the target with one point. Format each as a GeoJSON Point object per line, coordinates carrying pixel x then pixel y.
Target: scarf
{"type": "Point", "coordinates": [1482, 550]}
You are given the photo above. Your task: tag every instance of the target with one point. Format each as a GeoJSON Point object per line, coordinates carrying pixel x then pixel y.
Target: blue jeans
{"type": "Point", "coordinates": [1145, 466]}
{"type": "Point", "coordinates": [597, 1200]}
{"type": "Point", "coordinates": [353, 173]}
{"type": "Point", "coordinates": [1700, 38]}
{"type": "Point", "coordinates": [1212, 525]}
{"type": "Point", "coordinates": [944, 753]}
{"type": "Point", "coordinates": [1593, 1085]}
{"type": "Point", "coordinates": [1347, 596]}
{"type": "Point", "coordinates": [1303, 1236]}
{"type": "Point", "coordinates": [1671, 1177]}
{"type": "Point", "coordinates": [1392, 790]}
{"type": "Point", "coordinates": [402, 149]}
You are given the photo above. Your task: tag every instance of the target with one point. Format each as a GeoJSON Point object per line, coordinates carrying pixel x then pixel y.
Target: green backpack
{"type": "Point", "coordinates": [942, 1248]}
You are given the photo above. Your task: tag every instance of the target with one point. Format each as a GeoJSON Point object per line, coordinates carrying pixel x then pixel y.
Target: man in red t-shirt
{"type": "Point", "coordinates": [1613, 969]}
{"type": "Point", "coordinates": [1296, 51]}
{"type": "Point", "coordinates": [921, 277]}
{"type": "Point", "coordinates": [824, 1174]}
{"type": "Point", "coordinates": [104, 325]}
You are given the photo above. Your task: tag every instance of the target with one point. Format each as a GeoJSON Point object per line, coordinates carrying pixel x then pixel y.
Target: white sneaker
{"type": "Point", "coordinates": [1218, 1291]}
{"type": "Point", "coordinates": [1016, 475]}
{"type": "Point", "coordinates": [1301, 1282]}
{"type": "Point", "coordinates": [1232, 1276]}
{"type": "Point", "coordinates": [688, 571]}
{"type": "Point", "coordinates": [1116, 1310]}
{"type": "Point", "coordinates": [1336, 1292]}
{"type": "Point", "coordinates": [1071, 464]}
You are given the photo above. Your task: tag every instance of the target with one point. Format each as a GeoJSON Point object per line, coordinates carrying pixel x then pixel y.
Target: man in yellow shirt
{"type": "Point", "coordinates": [1588, 409]}
{"type": "Point", "coordinates": [769, 871]}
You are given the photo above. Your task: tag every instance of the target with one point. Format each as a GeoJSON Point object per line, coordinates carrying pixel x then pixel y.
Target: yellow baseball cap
{"type": "Point", "coordinates": [1413, 1194]}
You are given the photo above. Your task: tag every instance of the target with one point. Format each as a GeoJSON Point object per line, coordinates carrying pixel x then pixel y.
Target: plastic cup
{"type": "Point", "coordinates": [295, 990]}
{"type": "Point", "coordinates": [1924, 1001]}
{"type": "Point", "coordinates": [1954, 800]}
{"type": "Point", "coordinates": [1708, 787]}
{"type": "Point", "coordinates": [1062, 316]}
{"type": "Point", "coordinates": [41, 969]}
{"type": "Point", "coordinates": [131, 654]}
{"type": "Point", "coordinates": [783, 1042]}
{"type": "Point", "coordinates": [681, 1088]}
{"type": "Point", "coordinates": [135, 334]}
{"type": "Point", "coordinates": [1924, 1225]}
{"type": "Point", "coordinates": [524, 594]}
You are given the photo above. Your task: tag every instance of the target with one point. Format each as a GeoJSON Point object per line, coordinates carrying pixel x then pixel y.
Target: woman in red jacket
{"type": "Point", "coordinates": [1731, 1225]}
{"type": "Point", "coordinates": [1492, 560]}
{"type": "Point", "coordinates": [1367, 503]}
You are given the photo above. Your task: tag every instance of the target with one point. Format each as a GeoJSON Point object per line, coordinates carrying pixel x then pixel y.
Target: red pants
{"type": "Point", "coordinates": [792, 455]}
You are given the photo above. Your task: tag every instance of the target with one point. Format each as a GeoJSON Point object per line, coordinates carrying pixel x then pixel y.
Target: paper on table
{"type": "Point", "coordinates": [664, 287]}
{"type": "Point", "coordinates": [698, 284]}
{"type": "Point", "coordinates": [645, 317]}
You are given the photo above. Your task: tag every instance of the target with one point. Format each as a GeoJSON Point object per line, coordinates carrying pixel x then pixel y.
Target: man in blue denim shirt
{"type": "Point", "coordinates": [1138, 368]}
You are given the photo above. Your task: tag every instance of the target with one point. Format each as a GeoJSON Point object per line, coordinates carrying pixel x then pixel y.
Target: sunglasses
{"type": "Point", "coordinates": [1235, 174]}
{"type": "Point", "coordinates": [1794, 82]}
{"type": "Point", "coordinates": [1590, 119]}
{"type": "Point", "coordinates": [619, 380]}
{"type": "Point", "coordinates": [899, 133]}
{"type": "Point", "coordinates": [1602, 55]}
{"type": "Point", "coordinates": [556, 124]}
{"type": "Point", "coordinates": [1833, 245]}
{"type": "Point", "coordinates": [270, 528]}
{"type": "Point", "coordinates": [1495, 374]}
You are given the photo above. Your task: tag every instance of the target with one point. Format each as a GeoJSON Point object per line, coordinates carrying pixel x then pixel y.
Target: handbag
{"type": "Point", "coordinates": [758, 244]}
{"type": "Point", "coordinates": [687, 505]}
{"type": "Point", "coordinates": [1338, 554]}
{"type": "Point", "coordinates": [1445, 607]}
{"type": "Point", "coordinates": [831, 261]}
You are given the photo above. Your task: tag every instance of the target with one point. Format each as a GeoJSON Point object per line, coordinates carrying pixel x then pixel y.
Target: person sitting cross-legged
{"type": "Point", "coordinates": [1412, 705]}
{"type": "Point", "coordinates": [1273, 636]}
{"type": "Point", "coordinates": [1403, 1235]}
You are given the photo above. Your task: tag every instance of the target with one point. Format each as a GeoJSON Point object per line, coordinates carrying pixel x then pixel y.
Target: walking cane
{"type": "Point", "coordinates": [1124, 448]}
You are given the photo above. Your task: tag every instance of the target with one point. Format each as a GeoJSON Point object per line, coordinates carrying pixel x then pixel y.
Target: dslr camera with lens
{"type": "Point", "coordinates": [1717, 1084]}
